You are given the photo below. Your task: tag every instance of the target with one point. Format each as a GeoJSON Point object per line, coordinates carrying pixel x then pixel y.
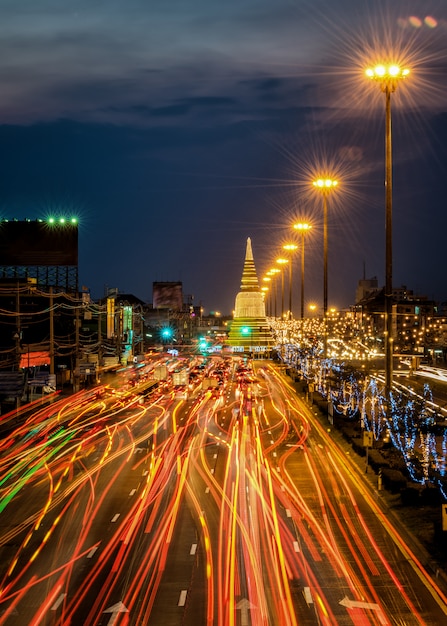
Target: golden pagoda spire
{"type": "Point", "coordinates": [249, 276]}
{"type": "Point", "coordinates": [249, 330]}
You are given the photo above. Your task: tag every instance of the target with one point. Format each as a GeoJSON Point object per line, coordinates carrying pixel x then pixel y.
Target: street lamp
{"type": "Point", "coordinates": [388, 77]}
{"type": "Point", "coordinates": [325, 186]}
{"type": "Point", "coordinates": [290, 247]}
{"type": "Point", "coordinates": [302, 227]}
{"type": "Point", "coordinates": [265, 291]}
{"type": "Point", "coordinates": [269, 277]}
{"type": "Point", "coordinates": [282, 261]}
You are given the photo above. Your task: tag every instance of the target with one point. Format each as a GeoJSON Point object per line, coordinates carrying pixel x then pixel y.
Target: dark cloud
{"type": "Point", "coordinates": [188, 104]}
{"type": "Point", "coordinates": [171, 110]}
{"type": "Point", "coordinates": [177, 130]}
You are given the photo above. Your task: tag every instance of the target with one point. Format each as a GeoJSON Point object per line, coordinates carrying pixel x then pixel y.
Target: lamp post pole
{"type": "Point", "coordinates": [265, 291]}
{"type": "Point", "coordinates": [271, 276]}
{"type": "Point", "coordinates": [282, 294]}
{"type": "Point", "coordinates": [388, 77]}
{"type": "Point", "coordinates": [302, 227]}
{"type": "Point", "coordinates": [276, 298]}
{"type": "Point", "coordinates": [302, 276]}
{"type": "Point", "coordinates": [268, 292]}
{"type": "Point", "coordinates": [388, 249]}
{"type": "Point", "coordinates": [325, 286]}
{"type": "Point", "coordinates": [325, 186]}
{"type": "Point", "coordinates": [282, 261]}
{"type": "Point", "coordinates": [290, 247]}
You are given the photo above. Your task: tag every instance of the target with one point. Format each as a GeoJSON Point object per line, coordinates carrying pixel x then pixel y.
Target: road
{"type": "Point", "coordinates": [231, 507]}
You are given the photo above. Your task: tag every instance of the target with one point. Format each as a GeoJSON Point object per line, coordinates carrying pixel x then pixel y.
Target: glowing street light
{"type": "Point", "coordinates": [388, 77]}
{"type": "Point", "coordinates": [266, 279]}
{"type": "Point", "coordinates": [302, 227]}
{"type": "Point", "coordinates": [325, 186]}
{"type": "Point", "coordinates": [290, 247]}
{"type": "Point", "coordinates": [282, 261]}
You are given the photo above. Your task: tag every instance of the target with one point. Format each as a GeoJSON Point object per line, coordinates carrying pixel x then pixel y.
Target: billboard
{"type": "Point", "coordinates": [167, 296]}
{"type": "Point", "coordinates": [34, 359]}
{"type": "Point", "coordinates": [27, 243]}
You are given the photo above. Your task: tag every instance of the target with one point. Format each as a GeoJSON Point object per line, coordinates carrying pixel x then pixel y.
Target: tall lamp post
{"type": "Point", "coordinates": [267, 279]}
{"type": "Point", "coordinates": [290, 247]}
{"type": "Point", "coordinates": [388, 77]}
{"type": "Point", "coordinates": [271, 274]}
{"type": "Point", "coordinates": [265, 291]}
{"type": "Point", "coordinates": [282, 261]}
{"type": "Point", "coordinates": [325, 186]}
{"type": "Point", "coordinates": [302, 227]}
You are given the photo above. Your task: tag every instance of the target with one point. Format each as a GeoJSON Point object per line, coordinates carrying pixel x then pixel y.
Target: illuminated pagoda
{"type": "Point", "coordinates": [249, 330]}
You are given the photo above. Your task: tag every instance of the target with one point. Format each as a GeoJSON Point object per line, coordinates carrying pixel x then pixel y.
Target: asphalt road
{"type": "Point", "coordinates": [235, 506]}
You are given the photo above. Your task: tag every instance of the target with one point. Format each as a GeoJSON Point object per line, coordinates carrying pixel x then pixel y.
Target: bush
{"type": "Point", "coordinates": [348, 432]}
{"type": "Point", "coordinates": [394, 481]}
{"type": "Point", "coordinates": [377, 460]}
{"type": "Point", "coordinates": [411, 495]}
{"type": "Point", "coordinates": [357, 446]}
{"type": "Point", "coordinates": [431, 495]}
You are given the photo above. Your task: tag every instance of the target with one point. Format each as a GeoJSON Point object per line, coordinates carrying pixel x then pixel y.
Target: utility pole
{"type": "Point", "coordinates": [18, 333]}
{"type": "Point", "coordinates": [76, 372]}
{"type": "Point", "coordinates": [51, 333]}
{"type": "Point", "coordinates": [99, 363]}
{"type": "Point", "coordinates": [100, 335]}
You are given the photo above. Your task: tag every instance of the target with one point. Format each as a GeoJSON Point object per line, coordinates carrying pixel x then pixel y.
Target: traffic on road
{"type": "Point", "coordinates": [195, 490]}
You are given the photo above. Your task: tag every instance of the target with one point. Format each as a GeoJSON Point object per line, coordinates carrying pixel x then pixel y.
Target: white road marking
{"type": "Point", "coordinates": [58, 602]}
{"type": "Point", "coordinates": [182, 599]}
{"type": "Point", "coordinates": [92, 552]}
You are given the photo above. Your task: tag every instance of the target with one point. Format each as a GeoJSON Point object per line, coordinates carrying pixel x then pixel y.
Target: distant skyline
{"type": "Point", "coordinates": [175, 130]}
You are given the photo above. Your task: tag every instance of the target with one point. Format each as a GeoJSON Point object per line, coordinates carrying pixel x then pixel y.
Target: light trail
{"type": "Point", "coordinates": [246, 475]}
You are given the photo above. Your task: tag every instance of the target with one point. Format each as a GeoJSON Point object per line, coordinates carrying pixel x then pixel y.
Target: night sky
{"type": "Point", "coordinates": [175, 129]}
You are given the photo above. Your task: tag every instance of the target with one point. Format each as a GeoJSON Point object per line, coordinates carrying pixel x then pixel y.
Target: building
{"type": "Point", "coordinates": [249, 331]}
{"type": "Point", "coordinates": [415, 321]}
{"type": "Point", "coordinates": [366, 287]}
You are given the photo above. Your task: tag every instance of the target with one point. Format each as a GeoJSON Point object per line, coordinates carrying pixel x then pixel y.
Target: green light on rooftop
{"type": "Point", "coordinates": [62, 220]}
